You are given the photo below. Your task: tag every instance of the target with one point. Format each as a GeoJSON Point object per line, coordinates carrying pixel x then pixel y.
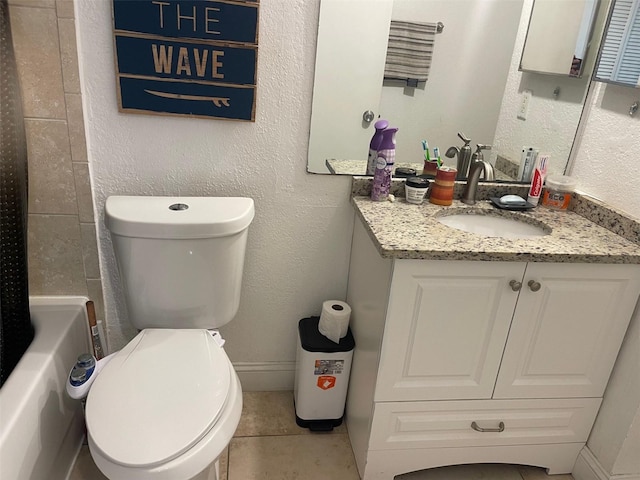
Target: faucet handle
{"type": "Point", "coordinates": [478, 155]}
{"type": "Point", "coordinates": [464, 138]}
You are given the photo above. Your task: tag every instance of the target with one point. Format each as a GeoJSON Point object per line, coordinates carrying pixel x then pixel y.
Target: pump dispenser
{"type": "Point", "coordinates": [374, 145]}
{"type": "Point", "coordinates": [385, 159]}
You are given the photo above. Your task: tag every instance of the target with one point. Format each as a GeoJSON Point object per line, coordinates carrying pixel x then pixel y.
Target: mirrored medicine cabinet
{"type": "Point", "coordinates": [558, 37]}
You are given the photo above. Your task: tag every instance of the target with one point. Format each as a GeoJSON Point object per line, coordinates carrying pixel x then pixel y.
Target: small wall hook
{"type": "Point", "coordinates": [556, 93]}
{"type": "Point", "coordinates": [633, 108]}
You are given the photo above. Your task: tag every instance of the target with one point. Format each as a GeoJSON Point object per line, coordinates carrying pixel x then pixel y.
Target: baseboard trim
{"type": "Point", "coordinates": [588, 467]}
{"type": "Point", "coordinates": [265, 376]}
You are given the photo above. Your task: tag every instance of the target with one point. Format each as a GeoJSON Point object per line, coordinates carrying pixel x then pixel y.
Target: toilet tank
{"type": "Point", "coordinates": [180, 258]}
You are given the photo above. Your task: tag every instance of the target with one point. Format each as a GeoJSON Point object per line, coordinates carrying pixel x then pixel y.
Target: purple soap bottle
{"type": "Point", "coordinates": [384, 165]}
{"type": "Point", "coordinates": [374, 145]}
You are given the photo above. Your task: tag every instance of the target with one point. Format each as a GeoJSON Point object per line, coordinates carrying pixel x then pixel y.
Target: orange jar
{"type": "Point", "coordinates": [442, 188]}
{"type": "Point", "coordinates": [558, 190]}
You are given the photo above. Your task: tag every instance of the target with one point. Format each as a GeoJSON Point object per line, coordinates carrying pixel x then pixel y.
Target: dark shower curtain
{"type": "Point", "coordinates": [16, 330]}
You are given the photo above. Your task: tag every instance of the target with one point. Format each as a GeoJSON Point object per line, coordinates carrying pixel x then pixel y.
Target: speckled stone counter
{"type": "Point", "coordinates": [359, 167]}
{"type": "Point", "coordinates": [406, 231]}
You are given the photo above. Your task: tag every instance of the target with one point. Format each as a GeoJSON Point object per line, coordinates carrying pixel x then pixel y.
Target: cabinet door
{"type": "Point", "coordinates": [446, 326]}
{"type": "Point", "coordinates": [565, 336]}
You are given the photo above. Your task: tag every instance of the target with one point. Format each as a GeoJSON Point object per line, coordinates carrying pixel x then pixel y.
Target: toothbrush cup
{"type": "Point", "coordinates": [442, 188]}
{"type": "Point", "coordinates": [430, 167]}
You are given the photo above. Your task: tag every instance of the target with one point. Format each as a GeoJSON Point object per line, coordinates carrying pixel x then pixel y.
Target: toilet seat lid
{"type": "Point", "coordinates": [158, 396]}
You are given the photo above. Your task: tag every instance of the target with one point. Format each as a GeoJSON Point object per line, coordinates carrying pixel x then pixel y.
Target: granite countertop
{"type": "Point", "coordinates": [359, 167]}
{"type": "Point", "coordinates": [406, 231]}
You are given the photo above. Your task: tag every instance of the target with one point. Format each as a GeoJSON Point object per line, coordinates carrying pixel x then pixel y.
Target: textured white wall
{"type": "Point", "coordinates": [607, 167]}
{"type": "Point", "coordinates": [628, 461]}
{"type": "Point", "coordinates": [608, 160]}
{"type": "Point", "coordinates": [611, 439]}
{"type": "Point", "coordinates": [299, 242]}
{"type": "Point", "coordinates": [551, 122]}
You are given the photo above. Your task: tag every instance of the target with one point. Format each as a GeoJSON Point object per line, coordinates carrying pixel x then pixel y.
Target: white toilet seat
{"type": "Point", "coordinates": [164, 407]}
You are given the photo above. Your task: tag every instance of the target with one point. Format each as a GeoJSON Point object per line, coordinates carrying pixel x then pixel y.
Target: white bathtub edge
{"type": "Point", "coordinates": [42, 429]}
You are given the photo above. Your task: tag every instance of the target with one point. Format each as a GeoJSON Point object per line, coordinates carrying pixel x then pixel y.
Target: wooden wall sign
{"type": "Point", "coordinates": [187, 57]}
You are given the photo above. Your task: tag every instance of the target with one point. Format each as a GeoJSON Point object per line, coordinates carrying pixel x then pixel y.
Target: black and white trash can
{"type": "Point", "coordinates": [322, 377]}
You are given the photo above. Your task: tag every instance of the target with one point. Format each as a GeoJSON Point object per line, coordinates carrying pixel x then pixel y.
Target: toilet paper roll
{"type": "Point", "coordinates": [334, 320]}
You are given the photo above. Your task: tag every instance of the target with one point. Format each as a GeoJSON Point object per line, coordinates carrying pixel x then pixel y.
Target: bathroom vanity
{"type": "Point", "coordinates": [474, 349]}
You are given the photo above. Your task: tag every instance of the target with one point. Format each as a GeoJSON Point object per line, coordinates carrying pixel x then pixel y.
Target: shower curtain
{"type": "Point", "coordinates": [16, 330]}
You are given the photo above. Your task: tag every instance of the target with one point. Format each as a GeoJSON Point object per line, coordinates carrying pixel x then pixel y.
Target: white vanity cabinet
{"type": "Point", "coordinates": [445, 330]}
{"type": "Point", "coordinates": [471, 361]}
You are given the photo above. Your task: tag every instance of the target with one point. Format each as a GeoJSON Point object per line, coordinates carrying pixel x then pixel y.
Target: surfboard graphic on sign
{"type": "Point", "coordinates": [187, 57]}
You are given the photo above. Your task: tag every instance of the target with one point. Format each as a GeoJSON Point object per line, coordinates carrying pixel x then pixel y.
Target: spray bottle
{"type": "Point", "coordinates": [374, 145]}
{"type": "Point", "coordinates": [385, 159]}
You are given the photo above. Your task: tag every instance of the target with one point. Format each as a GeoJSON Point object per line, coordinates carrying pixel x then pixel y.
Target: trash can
{"type": "Point", "coordinates": [322, 377]}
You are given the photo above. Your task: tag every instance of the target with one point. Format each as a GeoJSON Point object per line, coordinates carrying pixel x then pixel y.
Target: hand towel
{"type": "Point", "coordinates": [409, 51]}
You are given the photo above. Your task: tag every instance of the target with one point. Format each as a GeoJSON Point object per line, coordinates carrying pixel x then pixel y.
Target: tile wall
{"type": "Point", "coordinates": [63, 253]}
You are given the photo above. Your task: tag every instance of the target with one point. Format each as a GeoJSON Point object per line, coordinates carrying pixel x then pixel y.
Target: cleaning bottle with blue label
{"type": "Point", "coordinates": [385, 159]}
{"type": "Point", "coordinates": [374, 145]}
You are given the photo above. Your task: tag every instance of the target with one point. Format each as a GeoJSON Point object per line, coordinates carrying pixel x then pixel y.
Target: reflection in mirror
{"type": "Point", "coordinates": [474, 87]}
{"type": "Point", "coordinates": [619, 59]}
{"type": "Point", "coordinates": [564, 51]}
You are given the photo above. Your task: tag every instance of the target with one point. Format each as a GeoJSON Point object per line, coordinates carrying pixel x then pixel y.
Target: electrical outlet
{"type": "Point", "coordinates": [523, 111]}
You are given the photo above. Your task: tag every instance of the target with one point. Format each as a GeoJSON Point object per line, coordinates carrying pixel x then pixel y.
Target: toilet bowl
{"type": "Point", "coordinates": [167, 405]}
{"type": "Point", "coordinates": [164, 408]}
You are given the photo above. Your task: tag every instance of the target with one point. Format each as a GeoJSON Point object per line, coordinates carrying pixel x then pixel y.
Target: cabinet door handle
{"type": "Point", "coordinates": [515, 285]}
{"type": "Point", "coordinates": [500, 428]}
{"type": "Point", "coordinates": [533, 285]}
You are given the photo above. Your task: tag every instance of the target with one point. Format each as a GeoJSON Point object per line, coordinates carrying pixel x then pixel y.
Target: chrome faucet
{"type": "Point", "coordinates": [477, 167]}
{"type": "Point", "coordinates": [463, 154]}
{"type": "Point", "coordinates": [478, 156]}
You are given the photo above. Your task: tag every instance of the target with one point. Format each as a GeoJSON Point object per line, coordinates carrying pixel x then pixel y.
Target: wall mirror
{"type": "Point", "coordinates": [474, 86]}
{"type": "Point", "coordinates": [619, 57]}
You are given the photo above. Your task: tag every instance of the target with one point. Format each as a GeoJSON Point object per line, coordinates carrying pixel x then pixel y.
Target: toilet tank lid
{"type": "Point", "coordinates": [177, 217]}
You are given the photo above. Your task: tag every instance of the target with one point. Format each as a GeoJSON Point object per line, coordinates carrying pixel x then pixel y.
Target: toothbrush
{"type": "Point", "coordinates": [425, 147]}
{"type": "Point", "coordinates": [436, 155]}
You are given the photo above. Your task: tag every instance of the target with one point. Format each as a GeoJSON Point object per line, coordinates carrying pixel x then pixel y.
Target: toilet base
{"type": "Point", "coordinates": [210, 473]}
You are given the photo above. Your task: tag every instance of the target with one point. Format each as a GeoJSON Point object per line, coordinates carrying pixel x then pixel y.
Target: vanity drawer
{"type": "Point", "coordinates": [404, 425]}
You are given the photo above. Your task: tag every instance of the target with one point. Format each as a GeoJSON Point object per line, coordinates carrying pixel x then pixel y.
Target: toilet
{"type": "Point", "coordinates": [167, 405]}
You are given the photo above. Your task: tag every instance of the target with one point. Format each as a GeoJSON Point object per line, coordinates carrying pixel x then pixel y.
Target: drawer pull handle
{"type": "Point", "coordinates": [515, 285]}
{"type": "Point", "coordinates": [500, 428]}
{"type": "Point", "coordinates": [534, 286]}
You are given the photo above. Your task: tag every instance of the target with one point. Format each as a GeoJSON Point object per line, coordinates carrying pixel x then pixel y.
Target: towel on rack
{"type": "Point", "coordinates": [409, 51]}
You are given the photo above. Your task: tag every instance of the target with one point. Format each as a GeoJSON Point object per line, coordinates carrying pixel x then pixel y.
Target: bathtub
{"type": "Point", "coordinates": [41, 429]}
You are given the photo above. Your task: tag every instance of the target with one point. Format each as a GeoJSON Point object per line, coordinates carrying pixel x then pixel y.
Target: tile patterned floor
{"type": "Point", "coordinates": [268, 445]}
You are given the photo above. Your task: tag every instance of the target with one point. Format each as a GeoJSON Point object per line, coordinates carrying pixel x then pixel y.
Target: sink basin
{"type": "Point", "coordinates": [489, 225]}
